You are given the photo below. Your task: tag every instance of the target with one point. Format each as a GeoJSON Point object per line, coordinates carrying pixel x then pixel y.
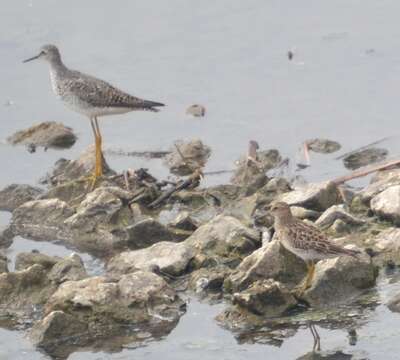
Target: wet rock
{"type": "Point", "coordinates": [272, 261]}
{"type": "Point", "coordinates": [46, 134]}
{"type": "Point", "coordinates": [340, 279]}
{"type": "Point", "coordinates": [265, 297]}
{"type": "Point", "coordinates": [41, 219]}
{"type": "Point", "coordinates": [387, 204]}
{"type": "Point", "coordinates": [394, 303]}
{"type": "Point", "coordinates": [251, 173]}
{"type": "Point", "coordinates": [25, 260]}
{"type": "Point", "coordinates": [21, 290]}
{"type": "Point", "coordinates": [196, 110]}
{"type": "Point", "coordinates": [224, 236]}
{"type": "Point", "coordinates": [71, 170]}
{"type": "Point", "coordinates": [146, 233]}
{"type": "Point", "coordinates": [68, 268]}
{"type": "Point", "coordinates": [318, 196]}
{"type": "Point", "coordinates": [169, 257]}
{"type": "Point", "coordinates": [364, 157]}
{"type": "Point", "coordinates": [337, 212]}
{"type": "Point", "coordinates": [185, 157]}
{"type": "Point", "coordinates": [323, 146]}
{"type": "Point", "coordinates": [15, 195]}
{"type": "Point", "coordinates": [184, 222]}
{"type": "Point", "coordinates": [6, 237]}
{"type": "Point", "coordinates": [208, 280]}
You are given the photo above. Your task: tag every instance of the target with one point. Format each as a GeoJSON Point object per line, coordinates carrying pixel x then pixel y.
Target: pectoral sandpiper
{"type": "Point", "coordinates": [305, 241]}
{"type": "Point", "coordinates": [89, 96]}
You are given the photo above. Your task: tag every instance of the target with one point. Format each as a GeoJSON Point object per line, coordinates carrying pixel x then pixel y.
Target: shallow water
{"type": "Point", "coordinates": [230, 56]}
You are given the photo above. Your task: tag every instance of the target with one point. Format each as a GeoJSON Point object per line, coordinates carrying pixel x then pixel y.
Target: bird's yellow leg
{"type": "Point", "coordinates": [306, 283]}
{"type": "Point", "coordinates": [99, 152]}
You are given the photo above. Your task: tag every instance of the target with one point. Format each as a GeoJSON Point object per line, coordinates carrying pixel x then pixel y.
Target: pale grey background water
{"type": "Point", "coordinates": [229, 55]}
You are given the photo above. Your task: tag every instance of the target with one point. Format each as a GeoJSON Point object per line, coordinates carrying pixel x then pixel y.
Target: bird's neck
{"type": "Point", "coordinates": [283, 221]}
{"type": "Point", "coordinates": [57, 66]}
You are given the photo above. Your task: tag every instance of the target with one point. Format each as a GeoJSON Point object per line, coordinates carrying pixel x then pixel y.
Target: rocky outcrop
{"type": "Point", "coordinates": [387, 204]}
{"type": "Point", "coordinates": [15, 195]}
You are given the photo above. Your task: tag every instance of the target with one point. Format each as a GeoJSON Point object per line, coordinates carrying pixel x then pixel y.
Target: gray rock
{"type": "Point", "coordinates": [386, 244]}
{"type": "Point", "coordinates": [6, 236]}
{"type": "Point", "coordinates": [3, 263]}
{"type": "Point", "coordinates": [394, 303]}
{"type": "Point", "coordinates": [387, 204]}
{"type": "Point", "coordinates": [190, 156]}
{"type": "Point", "coordinates": [303, 213]}
{"type": "Point", "coordinates": [380, 182]}
{"type": "Point", "coordinates": [319, 196]}
{"type": "Point", "coordinates": [48, 134]}
{"type": "Point", "coordinates": [337, 212]}
{"type": "Point", "coordinates": [323, 146]}
{"type": "Point", "coordinates": [41, 219]}
{"type": "Point", "coordinates": [25, 260]}
{"type": "Point", "coordinates": [68, 268]}
{"type": "Point", "coordinates": [224, 236]}
{"type": "Point", "coordinates": [171, 258]}
{"type": "Point", "coordinates": [272, 261]}
{"type": "Point", "coordinates": [146, 233]}
{"type": "Point", "coordinates": [184, 222]}
{"type": "Point", "coordinates": [267, 298]}
{"type": "Point", "coordinates": [209, 279]}
{"type": "Point", "coordinates": [364, 157]}
{"type": "Point", "coordinates": [339, 280]}
{"type": "Point", "coordinates": [196, 110]}
{"type": "Point", "coordinates": [15, 195]}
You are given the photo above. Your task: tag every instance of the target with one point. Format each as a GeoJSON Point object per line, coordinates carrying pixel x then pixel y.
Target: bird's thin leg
{"type": "Point", "coordinates": [306, 283]}
{"type": "Point", "coordinates": [93, 178]}
{"type": "Point", "coordinates": [316, 337]}
{"type": "Point", "coordinates": [99, 152]}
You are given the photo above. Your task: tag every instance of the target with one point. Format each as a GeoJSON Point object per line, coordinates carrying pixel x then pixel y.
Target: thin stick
{"type": "Point", "coordinates": [362, 148]}
{"type": "Point", "coordinates": [365, 171]}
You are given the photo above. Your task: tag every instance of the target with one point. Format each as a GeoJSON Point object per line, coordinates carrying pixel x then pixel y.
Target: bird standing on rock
{"type": "Point", "coordinates": [305, 241]}
{"type": "Point", "coordinates": [89, 96]}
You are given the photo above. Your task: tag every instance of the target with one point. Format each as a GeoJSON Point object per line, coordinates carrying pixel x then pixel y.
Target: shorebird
{"type": "Point", "coordinates": [89, 96]}
{"type": "Point", "coordinates": [305, 241]}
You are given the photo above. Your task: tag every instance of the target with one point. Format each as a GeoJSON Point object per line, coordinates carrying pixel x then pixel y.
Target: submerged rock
{"type": "Point", "coordinates": [169, 257]}
{"type": "Point", "coordinates": [364, 157]}
{"type": "Point", "coordinates": [387, 204]}
{"type": "Point", "coordinates": [15, 195]}
{"type": "Point", "coordinates": [47, 134]}
{"type": "Point", "coordinates": [196, 110]}
{"type": "Point", "coordinates": [323, 146]}
{"type": "Point", "coordinates": [340, 279]}
{"type": "Point", "coordinates": [265, 297]}
{"type": "Point", "coordinates": [318, 196]}
{"type": "Point", "coordinates": [185, 157]}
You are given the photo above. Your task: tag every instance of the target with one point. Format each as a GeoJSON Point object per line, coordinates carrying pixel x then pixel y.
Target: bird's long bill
{"type": "Point", "coordinates": [32, 58]}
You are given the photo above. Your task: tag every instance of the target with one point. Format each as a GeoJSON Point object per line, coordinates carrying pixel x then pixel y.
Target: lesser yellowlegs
{"type": "Point", "coordinates": [305, 241]}
{"type": "Point", "coordinates": [89, 96]}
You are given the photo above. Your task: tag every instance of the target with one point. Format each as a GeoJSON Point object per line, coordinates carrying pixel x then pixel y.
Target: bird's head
{"type": "Point", "coordinates": [280, 210]}
{"type": "Point", "coordinates": [47, 52]}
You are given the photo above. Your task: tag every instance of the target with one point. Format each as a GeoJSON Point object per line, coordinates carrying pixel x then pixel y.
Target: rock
{"type": "Point", "coordinates": [364, 157]}
{"type": "Point", "coordinates": [134, 298]}
{"type": "Point", "coordinates": [224, 236]}
{"type": "Point", "coordinates": [323, 146]}
{"type": "Point", "coordinates": [3, 263]}
{"type": "Point", "coordinates": [394, 303]}
{"type": "Point", "coordinates": [21, 290]}
{"type": "Point", "coordinates": [387, 204]}
{"type": "Point", "coordinates": [71, 170]}
{"type": "Point", "coordinates": [15, 195]}
{"type": "Point", "coordinates": [380, 182]}
{"type": "Point", "coordinates": [69, 268]}
{"type": "Point", "coordinates": [48, 134]}
{"type": "Point", "coordinates": [386, 244]}
{"type": "Point", "coordinates": [196, 110]}
{"type": "Point", "coordinates": [337, 212]}
{"type": "Point", "coordinates": [208, 279]}
{"type": "Point", "coordinates": [41, 219]}
{"type": "Point", "coordinates": [146, 233]}
{"type": "Point", "coordinates": [302, 213]}
{"type": "Point", "coordinates": [184, 222]}
{"type": "Point", "coordinates": [339, 280]}
{"type": "Point", "coordinates": [6, 237]}
{"type": "Point", "coordinates": [267, 298]}
{"type": "Point", "coordinates": [272, 261]}
{"type": "Point", "coordinates": [319, 196]}
{"type": "Point", "coordinates": [251, 173]}
{"type": "Point", "coordinates": [169, 257]}
{"type": "Point", "coordinates": [190, 156]}
{"type": "Point", "coordinates": [25, 260]}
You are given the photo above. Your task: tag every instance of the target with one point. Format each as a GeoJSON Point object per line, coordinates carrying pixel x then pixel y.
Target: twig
{"type": "Point", "coordinates": [362, 148]}
{"type": "Point", "coordinates": [146, 154]}
{"type": "Point", "coordinates": [365, 171]}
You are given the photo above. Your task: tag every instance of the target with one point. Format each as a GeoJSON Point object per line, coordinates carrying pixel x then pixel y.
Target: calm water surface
{"type": "Point", "coordinates": [230, 55]}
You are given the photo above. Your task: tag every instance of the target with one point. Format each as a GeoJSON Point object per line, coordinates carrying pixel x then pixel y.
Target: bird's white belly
{"type": "Point", "coordinates": [88, 110]}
